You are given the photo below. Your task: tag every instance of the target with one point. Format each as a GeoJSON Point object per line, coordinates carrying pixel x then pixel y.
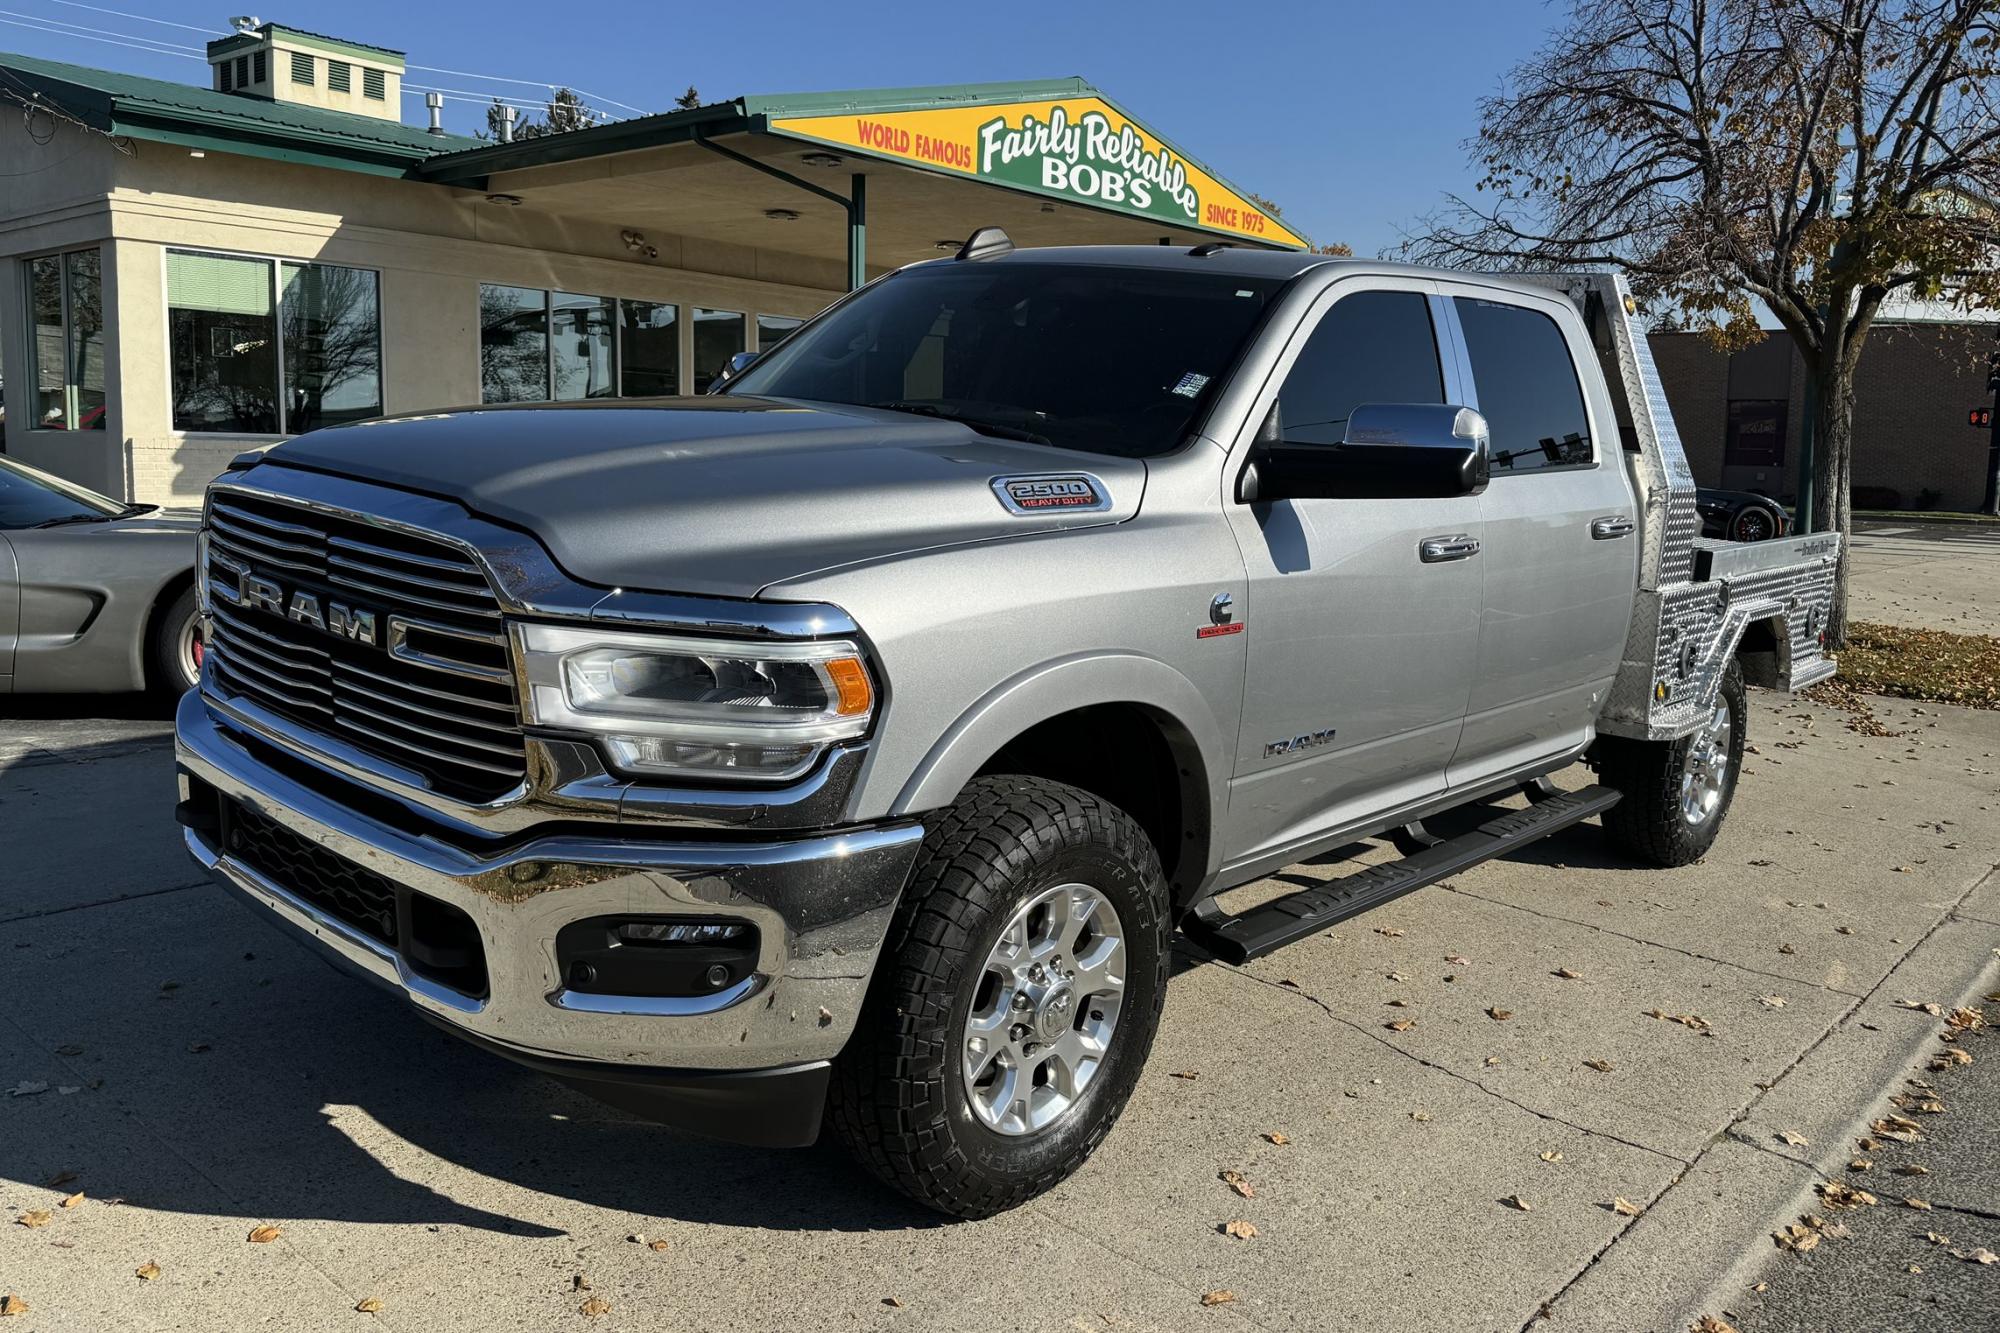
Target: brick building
{"type": "Point", "coordinates": [1740, 416]}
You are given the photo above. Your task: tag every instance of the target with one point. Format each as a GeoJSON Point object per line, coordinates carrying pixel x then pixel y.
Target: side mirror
{"type": "Point", "coordinates": [1391, 451]}
{"type": "Point", "coordinates": [731, 368]}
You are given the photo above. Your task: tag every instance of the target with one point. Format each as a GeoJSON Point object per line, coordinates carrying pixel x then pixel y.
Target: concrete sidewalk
{"type": "Point", "coordinates": [206, 1076]}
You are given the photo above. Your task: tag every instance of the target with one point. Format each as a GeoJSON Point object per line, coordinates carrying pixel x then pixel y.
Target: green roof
{"type": "Point", "coordinates": [180, 113]}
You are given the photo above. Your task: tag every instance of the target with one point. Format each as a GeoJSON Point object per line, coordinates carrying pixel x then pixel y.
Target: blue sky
{"type": "Point", "coordinates": [1351, 116]}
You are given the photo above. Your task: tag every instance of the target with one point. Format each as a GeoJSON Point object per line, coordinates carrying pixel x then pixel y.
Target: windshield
{"type": "Point", "coordinates": [1086, 357]}
{"type": "Point", "coordinates": [28, 498]}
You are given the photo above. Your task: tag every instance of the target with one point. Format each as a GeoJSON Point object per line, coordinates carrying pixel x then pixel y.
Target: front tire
{"type": "Point", "coordinates": [173, 663]}
{"type": "Point", "coordinates": [1015, 1002]}
{"type": "Point", "coordinates": [1677, 793]}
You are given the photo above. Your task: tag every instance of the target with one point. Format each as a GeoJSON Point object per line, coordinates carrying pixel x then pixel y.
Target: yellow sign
{"type": "Point", "coordinates": [1076, 148]}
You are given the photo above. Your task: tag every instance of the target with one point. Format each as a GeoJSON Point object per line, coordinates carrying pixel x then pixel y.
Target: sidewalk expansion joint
{"type": "Point", "coordinates": [1651, 944]}
{"type": "Point", "coordinates": [102, 902]}
{"type": "Point", "coordinates": [1449, 1072]}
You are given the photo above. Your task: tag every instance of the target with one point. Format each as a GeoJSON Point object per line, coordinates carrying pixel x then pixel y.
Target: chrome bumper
{"type": "Point", "coordinates": [822, 905]}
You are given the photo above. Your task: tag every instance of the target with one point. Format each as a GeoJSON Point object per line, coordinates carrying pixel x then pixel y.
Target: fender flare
{"type": "Point", "coordinates": [1063, 686]}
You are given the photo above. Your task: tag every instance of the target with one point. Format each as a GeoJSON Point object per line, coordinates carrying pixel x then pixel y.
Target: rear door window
{"type": "Point", "coordinates": [1527, 384]}
{"type": "Point", "coordinates": [1371, 347]}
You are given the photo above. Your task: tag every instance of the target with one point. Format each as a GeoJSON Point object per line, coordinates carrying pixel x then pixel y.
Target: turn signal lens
{"type": "Point", "coordinates": [850, 680]}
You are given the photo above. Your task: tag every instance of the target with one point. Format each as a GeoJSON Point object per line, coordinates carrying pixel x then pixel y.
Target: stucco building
{"type": "Point", "coordinates": [187, 272]}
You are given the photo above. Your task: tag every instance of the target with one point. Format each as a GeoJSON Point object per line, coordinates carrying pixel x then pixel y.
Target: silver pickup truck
{"type": "Point", "coordinates": [853, 742]}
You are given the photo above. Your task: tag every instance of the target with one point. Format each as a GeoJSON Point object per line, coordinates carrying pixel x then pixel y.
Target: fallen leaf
{"type": "Point", "coordinates": [1601, 1066]}
{"type": "Point", "coordinates": [659, 1246]}
{"type": "Point", "coordinates": [1913, 1268]}
{"type": "Point", "coordinates": [1239, 1229]}
{"type": "Point", "coordinates": [264, 1235]}
{"type": "Point", "coordinates": [1834, 1194]}
{"type": "Point", "coordinates": [1786, 948]}
{"type": "Point", "coordinates": [73, 1200]}
{"type": "Point", "coordinates": [1221, 1296]}
{"type": "Point", "coordinates": [61, 1178]}
{"type": "Point", "coordinates": [1950, 1057]}
{"type": "Point", "coordinates": [1235, 1181]}
{"type": "Point", "coordinates": [147, 1271]}
{"type": "Point", "coordinates": [1911, 1169]}
{"type": "Point", "coordinates": [1566, 974]}
{"type": "Point", "coordinates": [1965, 1019]}
{"type": "Point", "coordinates": [1275, 1137]}
{"type": "Point", "coordinates": [579, 1283]}
{"type": "Point", "coordinates": [1396, 976]}
{"type": "Point", "coordinates": [1931, 1007]}
{"type": "Point", "coordinates": [11, 1305]}
{"type": "Point", "coordinates": [893, 1302]}
{"type": "Point", "coordinates": [368, 1305]}
{"type": "Point", "coordinates": [1401, 1025]}
{"type": "Point", "coordinates": [1189, 1074]}
{"type": "Point", "coordinates": [27, 1089]}
{"type": "Point", "coordinates": [1693, 1022]}
{"type": "Point", "coordinates": [1898, 1128]}
{"type": "Point", "coordinates": [637, 1238]}
{"type": "Point", "coordinates": [1866, 1145]}
{"type": "Point", "coordinates": [1393, 932]}
{"type": "Point", "coordinates": [1978, 1256]}
{"type": "Point", "coordinates": [1420, 1115]}
{"type": "Point", "coordinates": [1398, 1004]}
{"type": "Point", "coordinates": [1552, 1156]}
{"type": "Point", "coordinates": [594, 1307]}
{"type": "Point", "coordinates": [1625, 1207]}
{"type": "Point", "coordinates": [1499, 1015]}
{"type": "Point", "coordinates": [1843, 930]}
{"type": "Point", "coordinates": [1935, 1239]}
{"type": "Point", "coordinates": [1457, 959]}
{"type": "Point", "coordinates": [1795, 1139]}
{"type": "Point", "coordinates": [1919, 1204]}
{"type": "Point", "coordinates": [1861, 1164]}
{"type": "Point", "coordinates": [1771, 1001]}
{"type": "Point", "coordinates": [1709, 1323]}
{"type": "Point", "coordinates": [40, 1217]}
{"type": "Point", "coordinates": [1518, 1203]}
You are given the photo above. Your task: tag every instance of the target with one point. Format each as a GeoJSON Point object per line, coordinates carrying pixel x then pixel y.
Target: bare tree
{"type": "Point", "coordinates": [1815, 155]}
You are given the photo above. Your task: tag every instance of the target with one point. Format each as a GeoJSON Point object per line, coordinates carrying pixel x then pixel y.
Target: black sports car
{"type": "Point", "coordinates": [1740, 516]}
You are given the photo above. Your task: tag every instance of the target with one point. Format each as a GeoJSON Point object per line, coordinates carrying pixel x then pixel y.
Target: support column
{"type": "Point", "coordinates": [857, 232]}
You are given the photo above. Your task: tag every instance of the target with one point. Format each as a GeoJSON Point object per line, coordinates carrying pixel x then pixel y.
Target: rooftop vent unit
{"type": "Point", "coordinates": [281, 64]}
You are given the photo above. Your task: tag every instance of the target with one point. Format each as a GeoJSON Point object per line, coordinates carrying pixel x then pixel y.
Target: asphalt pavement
{"type": "Point", "coordinates": [1931, 575]}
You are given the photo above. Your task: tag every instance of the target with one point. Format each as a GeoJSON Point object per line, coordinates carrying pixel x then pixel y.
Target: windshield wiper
{"type": "Point", "coordinates": [993, 428]}
{"type": "Point", "coordinates": [67, 519]}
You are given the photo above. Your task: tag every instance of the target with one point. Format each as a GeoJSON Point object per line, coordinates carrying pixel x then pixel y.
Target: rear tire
{"type": "Point", "coordinates": [173, 660]}
{"type": "Point", "coordinates": [1677, 793]}
{"type": "Point", "coordinates": [905, 1098]}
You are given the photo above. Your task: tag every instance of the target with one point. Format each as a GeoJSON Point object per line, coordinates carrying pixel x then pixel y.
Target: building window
{"type": "Point", "coordinates": [373, 84]}
{"type": "Point", "coordinates": [302, 68]}
{"type": "Point", "coordinates": [1756, 432]}
{"type": "Point", "coordinates": [774, 329]}
{"type": "Point", "coordinates": [513, 344]}
{"type": "Point", "coordinates": [338, 76]}
{"type": "Point", "coordinates": [649, 349]}
{"type": "Point", "coordinates": [264, 348]}
{"type": "Point", "coordinates": [581, 355]}
{"type": "Point", "coordinates": [66, 352]}
{"type": "Point", "coordinates": [718, 335]}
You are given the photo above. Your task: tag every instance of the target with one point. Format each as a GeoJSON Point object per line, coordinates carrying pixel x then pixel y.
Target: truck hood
{"type": "Point", "coordinates": [721, 496]}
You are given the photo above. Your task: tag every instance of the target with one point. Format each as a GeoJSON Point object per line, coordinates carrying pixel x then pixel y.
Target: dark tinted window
{"type": "Point", "coordinates": [1081, 356]}
{"type": "Point", "coordinates": [28, 497]}
{"type": "Point", "coordinates": [1372, 347]}
{"type": "Point", "coordinates": [1527, 385]}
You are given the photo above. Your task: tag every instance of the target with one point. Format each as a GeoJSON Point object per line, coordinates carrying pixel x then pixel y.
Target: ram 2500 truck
{"type": "Point", "coordinates": [852, 742]}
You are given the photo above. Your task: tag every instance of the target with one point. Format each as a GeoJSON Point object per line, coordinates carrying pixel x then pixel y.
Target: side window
{"type": "Point", "coordinates": [1528, 390]}
{"type": "Point", "coordinates": [1371, 347]}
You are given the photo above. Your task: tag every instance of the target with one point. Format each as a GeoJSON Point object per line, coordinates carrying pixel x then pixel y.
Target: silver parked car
{"type": "Point", "coordinates": [95, 595]}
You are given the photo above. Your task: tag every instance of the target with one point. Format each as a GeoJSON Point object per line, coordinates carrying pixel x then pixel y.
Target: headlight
{"type": "Point", "coordinates": [668, 705]}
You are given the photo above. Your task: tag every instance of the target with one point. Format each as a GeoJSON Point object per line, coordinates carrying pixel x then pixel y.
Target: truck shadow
{"type": "Point", "coordinates": [216, 1066]}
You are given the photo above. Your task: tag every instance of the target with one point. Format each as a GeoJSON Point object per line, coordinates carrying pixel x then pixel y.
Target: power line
{"type": "Point", "coordinates": [536, 83]}
{"type": "Point", "coordinates": [84, 28]}
{"type": "Point", "coordinates": [109, 41]}
{"type": "Point", "coordinates": [143, 18]}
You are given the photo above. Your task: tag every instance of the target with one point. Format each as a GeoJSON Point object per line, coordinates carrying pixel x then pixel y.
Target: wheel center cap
{"type": "Point", "coordinates": [1053, 1018]}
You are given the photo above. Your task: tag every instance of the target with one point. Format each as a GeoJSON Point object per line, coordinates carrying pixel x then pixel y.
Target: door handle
{"type": "Point", "coordinates": [1437, 550]}
{"type": "Point", "coordinates": [1611, 526]}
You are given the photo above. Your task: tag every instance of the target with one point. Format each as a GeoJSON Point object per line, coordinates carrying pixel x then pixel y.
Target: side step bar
{"type": "Point", "coordinates": [1282, 921]}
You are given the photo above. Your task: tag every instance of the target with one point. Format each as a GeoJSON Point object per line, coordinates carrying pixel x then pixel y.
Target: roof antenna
{"type": "Point", "coordinates": [985, 243]}
{"type": "Point", "coordinates": [246, 23]}
{"type": "Point", "coordinates": [1206, 249]}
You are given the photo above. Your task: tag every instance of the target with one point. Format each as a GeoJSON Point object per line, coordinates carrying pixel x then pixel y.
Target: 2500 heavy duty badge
{"type": "Point", "coordinates": [1055, 490]}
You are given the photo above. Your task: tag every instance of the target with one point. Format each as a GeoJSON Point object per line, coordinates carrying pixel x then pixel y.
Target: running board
{"type": "Point", "coordinates": [1273, 925]}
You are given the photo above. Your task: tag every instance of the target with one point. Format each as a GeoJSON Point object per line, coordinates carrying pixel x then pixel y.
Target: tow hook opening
{"type": "Point", "coordinates": [656, 956]}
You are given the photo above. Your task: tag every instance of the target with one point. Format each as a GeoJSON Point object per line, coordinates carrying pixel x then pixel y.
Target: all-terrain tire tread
{"type": "Point", "coordinates": [1647, 822]}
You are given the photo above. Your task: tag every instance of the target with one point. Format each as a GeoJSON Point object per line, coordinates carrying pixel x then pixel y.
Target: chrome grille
{"type": "Point", "coordinates": [433, 693]}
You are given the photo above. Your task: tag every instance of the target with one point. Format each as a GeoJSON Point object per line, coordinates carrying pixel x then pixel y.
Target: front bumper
{"type": "Point", "coordinates": [821, 905]}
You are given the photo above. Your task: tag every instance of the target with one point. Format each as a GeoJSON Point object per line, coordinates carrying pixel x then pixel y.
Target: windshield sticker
{"type": "Point", "coordinates": [1191, 384]}
{"type": "Point", "coordinates": [1058, 491]}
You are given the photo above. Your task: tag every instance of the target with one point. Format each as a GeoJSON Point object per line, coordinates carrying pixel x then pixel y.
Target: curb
{"type": "Point", "coordinates": [1703, 1240]}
